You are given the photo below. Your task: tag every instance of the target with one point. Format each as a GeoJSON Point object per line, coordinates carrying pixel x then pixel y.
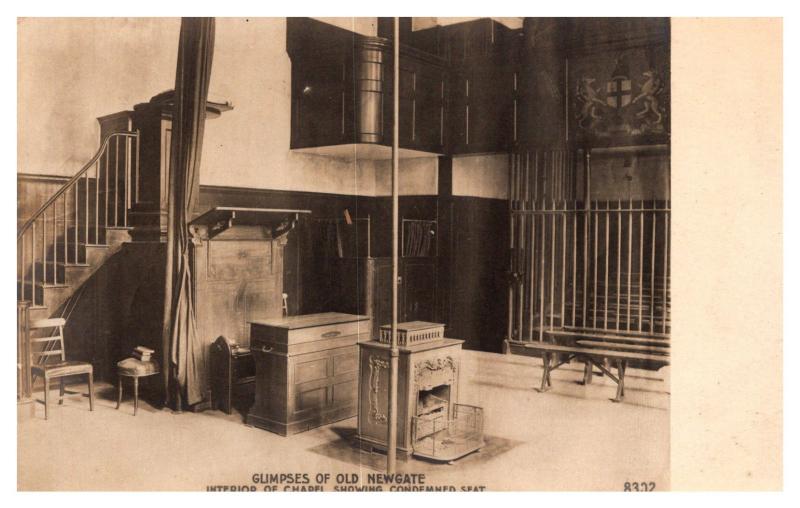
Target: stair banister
{"type": "Point", "coordinates": [51, 254]}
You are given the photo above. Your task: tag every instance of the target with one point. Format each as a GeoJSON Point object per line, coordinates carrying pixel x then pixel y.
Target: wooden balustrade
{"type": "Point", "coordinates": [78, 215]}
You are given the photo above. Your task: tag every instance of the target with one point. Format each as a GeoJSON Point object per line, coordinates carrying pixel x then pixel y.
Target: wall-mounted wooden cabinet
{"type": "Point", "coordinates": [342, 90]}
{"type": "Point", "coordinates": [483, 110]}
{"type": "Point", "coordinates": [459, 86]}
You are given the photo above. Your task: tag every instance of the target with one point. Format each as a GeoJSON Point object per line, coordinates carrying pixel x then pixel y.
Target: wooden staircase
{"type": "Point", "coordinates": [77, 229]}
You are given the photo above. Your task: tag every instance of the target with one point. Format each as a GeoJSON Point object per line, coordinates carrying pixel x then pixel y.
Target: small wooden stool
{"type": "Point", "coordinates": [131, 367]}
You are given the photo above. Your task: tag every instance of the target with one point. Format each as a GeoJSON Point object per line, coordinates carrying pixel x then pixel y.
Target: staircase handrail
{"type": "Point", "coordinates": [68, 184]}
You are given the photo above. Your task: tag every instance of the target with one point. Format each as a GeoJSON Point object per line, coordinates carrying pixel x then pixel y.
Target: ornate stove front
{"type": "Point", "coordinates": [427, 390]}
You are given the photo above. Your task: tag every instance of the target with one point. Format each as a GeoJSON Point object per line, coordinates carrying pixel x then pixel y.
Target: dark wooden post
{"type": "Point", "coordinates": [23, 352]}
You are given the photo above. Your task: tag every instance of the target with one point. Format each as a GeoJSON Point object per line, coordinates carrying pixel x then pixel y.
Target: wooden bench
{"type": "Point", "coordinates": [594, 356]}
{"type": "Point", "coordinates": [568, 335]}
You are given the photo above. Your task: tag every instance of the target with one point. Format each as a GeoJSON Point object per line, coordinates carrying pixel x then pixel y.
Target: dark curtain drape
{"type": "Point", "coordinates": [184, 377]}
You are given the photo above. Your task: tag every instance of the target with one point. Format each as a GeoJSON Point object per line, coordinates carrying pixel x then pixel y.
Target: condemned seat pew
{"type": "Point", "coordinates": [594, 356]}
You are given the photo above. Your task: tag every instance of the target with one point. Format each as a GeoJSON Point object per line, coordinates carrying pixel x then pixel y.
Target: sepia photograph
{"type": "Point", "coordinates": [360, 254]}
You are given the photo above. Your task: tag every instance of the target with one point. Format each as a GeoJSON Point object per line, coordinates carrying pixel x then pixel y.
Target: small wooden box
{"type": "Point", "coordinates": [412, 332]}
{"type": "Point", "coordinates": [306, 370]}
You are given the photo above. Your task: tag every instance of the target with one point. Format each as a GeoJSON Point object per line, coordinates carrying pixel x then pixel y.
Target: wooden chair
{"type": "Point", "coordinates": [53, 345]}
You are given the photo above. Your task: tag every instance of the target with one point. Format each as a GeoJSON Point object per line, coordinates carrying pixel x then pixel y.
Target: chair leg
{"type": "Point", "coordinates": [119, 391]}
{"type": "Point", "coordinates": [135, 394]}
{"type": "Point", "coordinates": [91, 391]}
{"type": "Point", "coordinates": [46, 396]}
{"type": "Point", "coordinates": [61, 392]}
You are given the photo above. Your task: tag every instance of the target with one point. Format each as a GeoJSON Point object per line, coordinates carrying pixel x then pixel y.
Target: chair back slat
{"type": "Point", "coordinates": [50, 345]}
{"type": "Point", "coordinates": [47, 353]}
{"type": "Point", "coordinates": [48, 323]}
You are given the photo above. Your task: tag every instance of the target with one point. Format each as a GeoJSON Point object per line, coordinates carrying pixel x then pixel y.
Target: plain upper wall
{"type": "Point", "coordinates": [72, 71]}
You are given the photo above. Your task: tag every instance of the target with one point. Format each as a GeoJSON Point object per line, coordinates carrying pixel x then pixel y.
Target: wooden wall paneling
{"type": "Point", "coordinates": [477, 290]}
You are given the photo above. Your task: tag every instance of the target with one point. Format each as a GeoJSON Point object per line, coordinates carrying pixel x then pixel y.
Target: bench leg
{"type": "Point", "coordinates": [61, 392]}
{"type": "Point", "coordinates": [620, 381]}
{"type": "Point", "coordinates": [545, 372]}
{"type": "Point", "coordinates": [91, 391]}
{"type": "Point", "coordinates": [119, 391]}
{"type": "Point", "coordinates": [587, 373]}
{"type": "Point", "coordinates": [135, 394]}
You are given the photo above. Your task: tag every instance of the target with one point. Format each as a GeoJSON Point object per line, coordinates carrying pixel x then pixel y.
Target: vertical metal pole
{"type": "Point", "coordinates": [391, 451]}
{"type": "Point", "coordinates": [587, 170]}
{"type": "Point", "coordinates": [664, 304]}
{"type": "Point", "coordinates": [532, 274]}
{"type": "Point", "coordinates": [521, 247]}
{"type": "Point", "coordinates": [511, 257]}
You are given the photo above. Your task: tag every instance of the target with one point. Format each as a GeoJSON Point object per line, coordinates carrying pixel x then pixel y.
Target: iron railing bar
{"type": "Point", "coordinates": [666, 280]}
{"type": "Point", "coordinates": [605, 276]}
{"type": "Point", "coordinates": [563, 264]}
{"type": "Point", "coordinates": [630, 247]}
{"type": "Point", "coordinates": [599, 211]}
{"type": "Point", "coordinates": [619, 259]}
{"type": "Point", "coordinates": [552, 264]}
{"type": "Point", "coordinates": [641, 265]}
{"type": "Point", "coordinates": [653, 276]}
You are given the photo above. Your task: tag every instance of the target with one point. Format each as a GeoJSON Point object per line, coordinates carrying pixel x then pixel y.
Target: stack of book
{"type": "Point", "coordinates": [143, 353]}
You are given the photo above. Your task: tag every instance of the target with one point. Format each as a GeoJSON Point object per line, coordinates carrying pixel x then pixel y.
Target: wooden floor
{"type": "Point", "coordinates": [570, 438]}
